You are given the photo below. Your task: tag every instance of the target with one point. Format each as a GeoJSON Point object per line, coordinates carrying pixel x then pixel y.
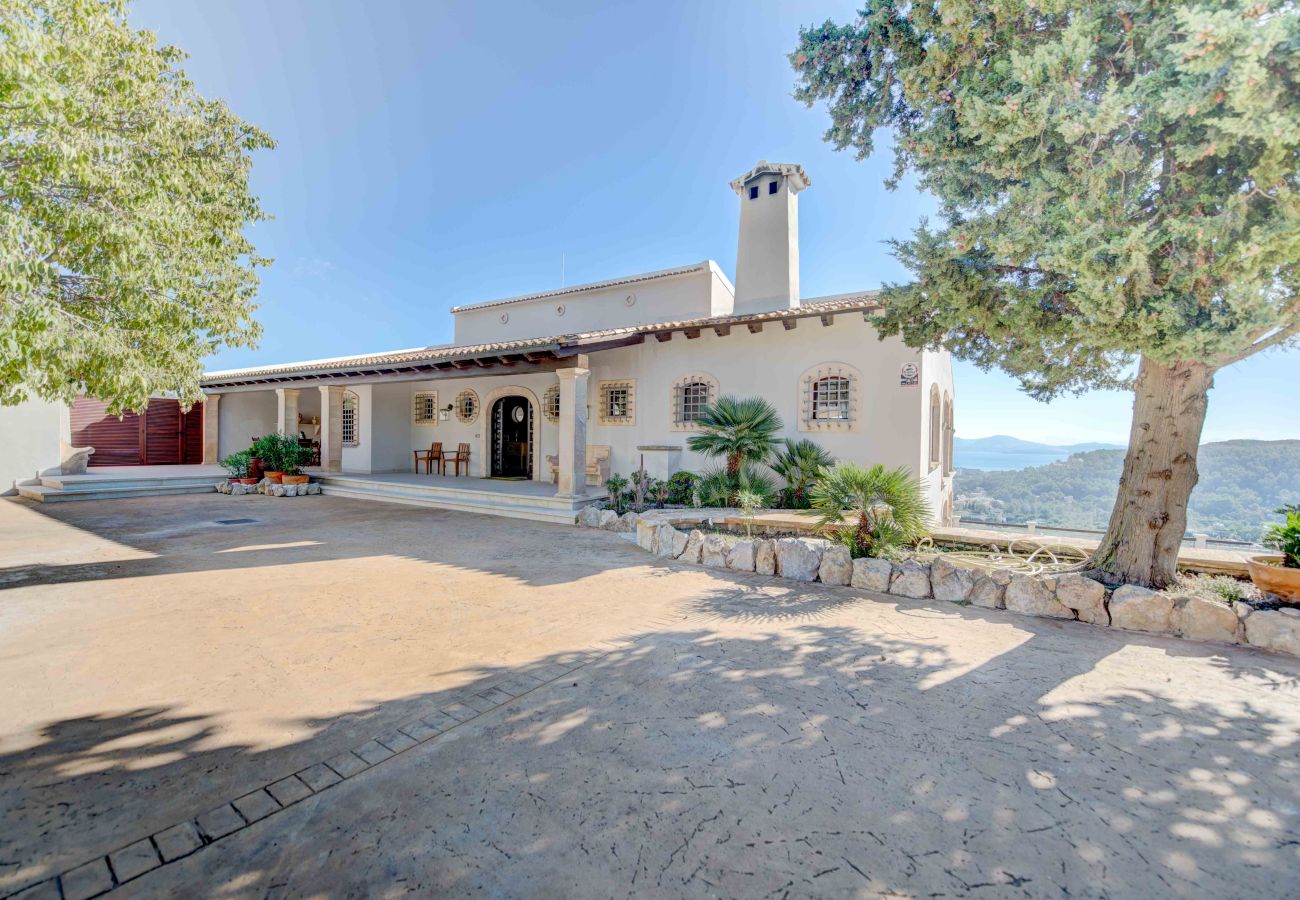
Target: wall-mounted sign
{"type": "Point", "coordinates": [909, 375]}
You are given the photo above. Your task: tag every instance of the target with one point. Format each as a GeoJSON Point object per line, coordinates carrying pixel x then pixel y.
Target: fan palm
{"type": "Point", "coordinates": [889, 506]}
{"type": "Point", "coordinates": [741, 430]}
{"type": "Point", "coordinates": [800, 463]}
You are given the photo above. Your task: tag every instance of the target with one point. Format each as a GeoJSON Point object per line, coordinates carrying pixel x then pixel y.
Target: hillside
{"type": "Point", "coordinates": [1005, 443]}
{"type": "Point", "coordinates": [1242, 482]}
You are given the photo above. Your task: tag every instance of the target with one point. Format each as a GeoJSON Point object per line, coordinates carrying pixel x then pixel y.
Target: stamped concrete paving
{"type": "Point", "coordinates": [763, 738]}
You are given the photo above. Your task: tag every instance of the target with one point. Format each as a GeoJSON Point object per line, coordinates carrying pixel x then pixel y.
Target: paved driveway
{"type": "Point", "coordinates": [405, 701]}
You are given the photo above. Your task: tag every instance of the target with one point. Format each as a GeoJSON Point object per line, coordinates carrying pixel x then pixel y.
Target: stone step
{"type": "Point", "coordinates": [514, 506]}
{"type": "Point", "coordinates": [82, 483]}
{"type": "Point", "coordinates": [46, 494]}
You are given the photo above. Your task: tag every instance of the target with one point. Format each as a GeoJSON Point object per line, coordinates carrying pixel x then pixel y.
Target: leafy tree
{"type": "Point", "coordinates": [1118, 186]}
{"type": "Point", "coordinates": [741, 430]}
{"type": "Point", "coordinates": [888, 505]}
{"type": "Point", "coordinates": [123, 199]}
{"type": "Point", "coordinates": [799, 463]}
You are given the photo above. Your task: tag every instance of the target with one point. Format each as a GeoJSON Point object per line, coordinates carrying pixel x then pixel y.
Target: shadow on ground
{"type": "Point", "coordinates": [814, 759]}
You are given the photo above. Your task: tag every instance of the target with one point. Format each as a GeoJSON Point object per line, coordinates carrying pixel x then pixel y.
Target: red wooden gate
{"type": "Point", "coordinates": [161, 435]}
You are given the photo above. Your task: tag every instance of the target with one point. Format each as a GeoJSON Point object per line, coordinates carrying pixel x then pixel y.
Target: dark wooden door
{"type": "Point", "coordinates": [512, 429]}
{"type": "Point", "coordinates": [160, 436]}
{"type": "Point", "coordinates": [192, 435]}
{"type": "Point", "coordinates": [117, 442]}
{"type": "Point", "coordinates": [162, 433]}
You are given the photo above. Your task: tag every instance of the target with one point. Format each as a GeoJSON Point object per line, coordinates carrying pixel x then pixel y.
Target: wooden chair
{"type": "Point", "coordinates": [428, 457]}
{"type": "Point", "coordinates": [460, 456]}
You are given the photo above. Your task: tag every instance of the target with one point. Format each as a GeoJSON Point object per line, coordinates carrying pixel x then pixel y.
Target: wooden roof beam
{"type": "Point", "coordinates": [827, 319]}
{"type": "Point", "coordinates": [789, 324]}
{"type": "Point", "coordinates": [722, 330]}
{"type": "Point", "coordinates": [691, 333]}
{"type": "Point", "coordinates": [755, 327]}
{"type": "Point", "coordinates": [664, 336]}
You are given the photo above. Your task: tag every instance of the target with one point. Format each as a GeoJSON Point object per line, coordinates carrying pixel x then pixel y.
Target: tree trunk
{"type": "Point", "coordinates": [1150, 515]}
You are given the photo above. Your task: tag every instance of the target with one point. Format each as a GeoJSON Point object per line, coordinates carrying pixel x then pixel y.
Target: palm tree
{"type": "Point", "coordinates": [799, 464]}
{"type": "Point", "coordinates": [740, 430]}
{"type": "Point", "coordinates": [889, 505]}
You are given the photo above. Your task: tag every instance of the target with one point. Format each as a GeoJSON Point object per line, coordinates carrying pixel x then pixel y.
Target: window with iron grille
{"type": "Point", "coordinates": [467, 406]}
{"type": "Point", "coordinates": [551, 403]}
{"type": "Point", "coordinates": [351, 419]}
{"type": "Point", "coordinates": [617, 402]}
{"type": "Point", "coordinates": [424, 408]}
{"type": "Point", "coordinates": [692, 394]}
{"type": "Point", "coordinates": [828, 398]}
{"type": "Point", "coordinates": [831, 398]}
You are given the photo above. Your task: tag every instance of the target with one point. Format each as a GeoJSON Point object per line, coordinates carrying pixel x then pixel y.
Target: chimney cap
{"type": "Point", "coordinates": [793, 171]}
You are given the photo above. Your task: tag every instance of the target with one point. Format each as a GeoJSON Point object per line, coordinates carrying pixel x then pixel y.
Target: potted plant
{"type": "Point", "coordinates": [237, 465]}
{"type": "Point", "coordinates": [295, 456]}
{"type": "Point", "coordinates": [269, 447]}
{"type": "Point", "coordinates": [1280, 575]}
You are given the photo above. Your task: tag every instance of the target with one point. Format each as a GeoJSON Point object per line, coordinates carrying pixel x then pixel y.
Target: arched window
{"type": "Point", "coordinates": [692, 394]}
{"type": "Point", "coordinates": [350, 431]}
{"type": "Point", "coordinates": [551, 403]}
{"type": "Point", "coordinates": [936, 428]}
{"type": "Point", "coordinates": [829, 398]}
{"type": "Point", "coordinates": [948, 465]}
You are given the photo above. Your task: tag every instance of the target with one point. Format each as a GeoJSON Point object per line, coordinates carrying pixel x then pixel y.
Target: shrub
{"type": "Point", "coordinates": [888, 506]}
{"type": "Point", "coordinates": [236, 464]}
{"type": "Point", "coordinates": [1218, 587]}
{"type": "Point", "coordinates": [280, 453]}
{"type": "Point", "coordinates": [616, 484]}
{"type": "Point", "coordinates": [681, 488]}
{"type": "Point", "coordinates": [800, 463]}
{"type": "Point", "coordinates": [718, 487]}
{"type": "Point", "coordinates": [1286, 537]}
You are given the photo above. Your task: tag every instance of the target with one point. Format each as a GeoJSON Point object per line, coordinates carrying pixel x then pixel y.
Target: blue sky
{"type": "Point", "coordinates": [432, 154]}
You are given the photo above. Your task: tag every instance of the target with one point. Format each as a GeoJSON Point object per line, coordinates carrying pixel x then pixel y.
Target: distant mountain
{"type": "Point", "coordinates": [1005, 443]}
{"type": "Point", "coordinates": [1241, 483]}
{"type": "Point", "coordinates": [1002, 451]}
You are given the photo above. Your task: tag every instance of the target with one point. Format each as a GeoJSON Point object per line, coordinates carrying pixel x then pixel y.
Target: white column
{"type": "Point", "coordinates": [211, 429]}
{"type": "Point", "coordinates": [573, 430]}
{"type": "Point", "coordinates": [331, 429]}
{"type": "Point", "coordinates": [286, 409]}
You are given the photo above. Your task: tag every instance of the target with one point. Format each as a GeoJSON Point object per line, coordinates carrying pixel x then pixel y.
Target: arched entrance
{"type": "Point", "coordinates": [512, 438]}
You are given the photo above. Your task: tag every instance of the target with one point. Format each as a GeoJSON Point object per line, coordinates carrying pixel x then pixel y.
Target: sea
{"type": "Point", "coordinates": [998, 461]}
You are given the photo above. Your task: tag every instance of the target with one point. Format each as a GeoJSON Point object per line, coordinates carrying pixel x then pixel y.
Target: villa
{"type": "Point", "coordinates": [552, 392]}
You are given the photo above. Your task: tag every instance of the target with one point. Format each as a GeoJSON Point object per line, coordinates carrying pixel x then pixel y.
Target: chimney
{"type": "Point", "coordinates": [767, 258]}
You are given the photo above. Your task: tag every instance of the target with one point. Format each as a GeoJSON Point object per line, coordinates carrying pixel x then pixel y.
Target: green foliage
{"type": "Point", "coordinates": [617, 487]}
{"type": "Point", "coordinates": [799, 463]}
{"type": "Point", "coordinates": [1285, 538]}
{"type": "Point", "coordinates": [1114, 179]}
{"type": "Point", "coordinates": [749, 502]}
{"type": "Point", "coordinates": [236, 464]}
{"type": "Point", "coordinates": [1240, 482]}
{"type": "Point", "coordinates": [888, 507]}
{"type": "Point", "coordinates": [681, 488]}
{"type": "Point", "coordinates": [741, 430]}
{"type": "Point", "coordinates": [1217, 587]}
{"type": "Point", "coordinates": [719, 487]}
{"type": "Point", "coordinates": [123, 259]}
{"type": "Point", "coordinates": [280, 453]}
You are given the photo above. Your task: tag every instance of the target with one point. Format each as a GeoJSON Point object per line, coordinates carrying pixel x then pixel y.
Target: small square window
{"type": "Point", "coordinates": [617, 401]}
{"type": "Point", "coordinates": [771, 187]}
{"type": "Point", "coordinates": [753, 193]}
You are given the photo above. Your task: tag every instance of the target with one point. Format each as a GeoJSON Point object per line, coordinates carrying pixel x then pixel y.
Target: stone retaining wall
{"type": "Point", "coordinates": [1067, 596]}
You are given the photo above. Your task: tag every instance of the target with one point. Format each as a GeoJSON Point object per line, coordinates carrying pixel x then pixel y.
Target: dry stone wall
{"type": "Point", "coordinates": [1067, 596]}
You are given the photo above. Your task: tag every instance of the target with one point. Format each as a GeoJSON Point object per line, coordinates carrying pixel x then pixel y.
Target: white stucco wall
{"type": "Point", "coordinates": [889, 427]}
{"type": "Point", "coordinates": [245, 416]}
{"type": "Point", "coordinates": [29, 441]}
{"type": "Point", "coordinates": [705, 292]}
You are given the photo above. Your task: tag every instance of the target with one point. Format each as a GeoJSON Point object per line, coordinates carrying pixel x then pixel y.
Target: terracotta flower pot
{"type": "Point", "coordinates": [274, 477]}
{"type": "Point", "coordinates": [1270, 575]}
{"type": "Point", "coordinates": [294, 479]}
{"type": "Point", "coordinates": [246, 480]}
